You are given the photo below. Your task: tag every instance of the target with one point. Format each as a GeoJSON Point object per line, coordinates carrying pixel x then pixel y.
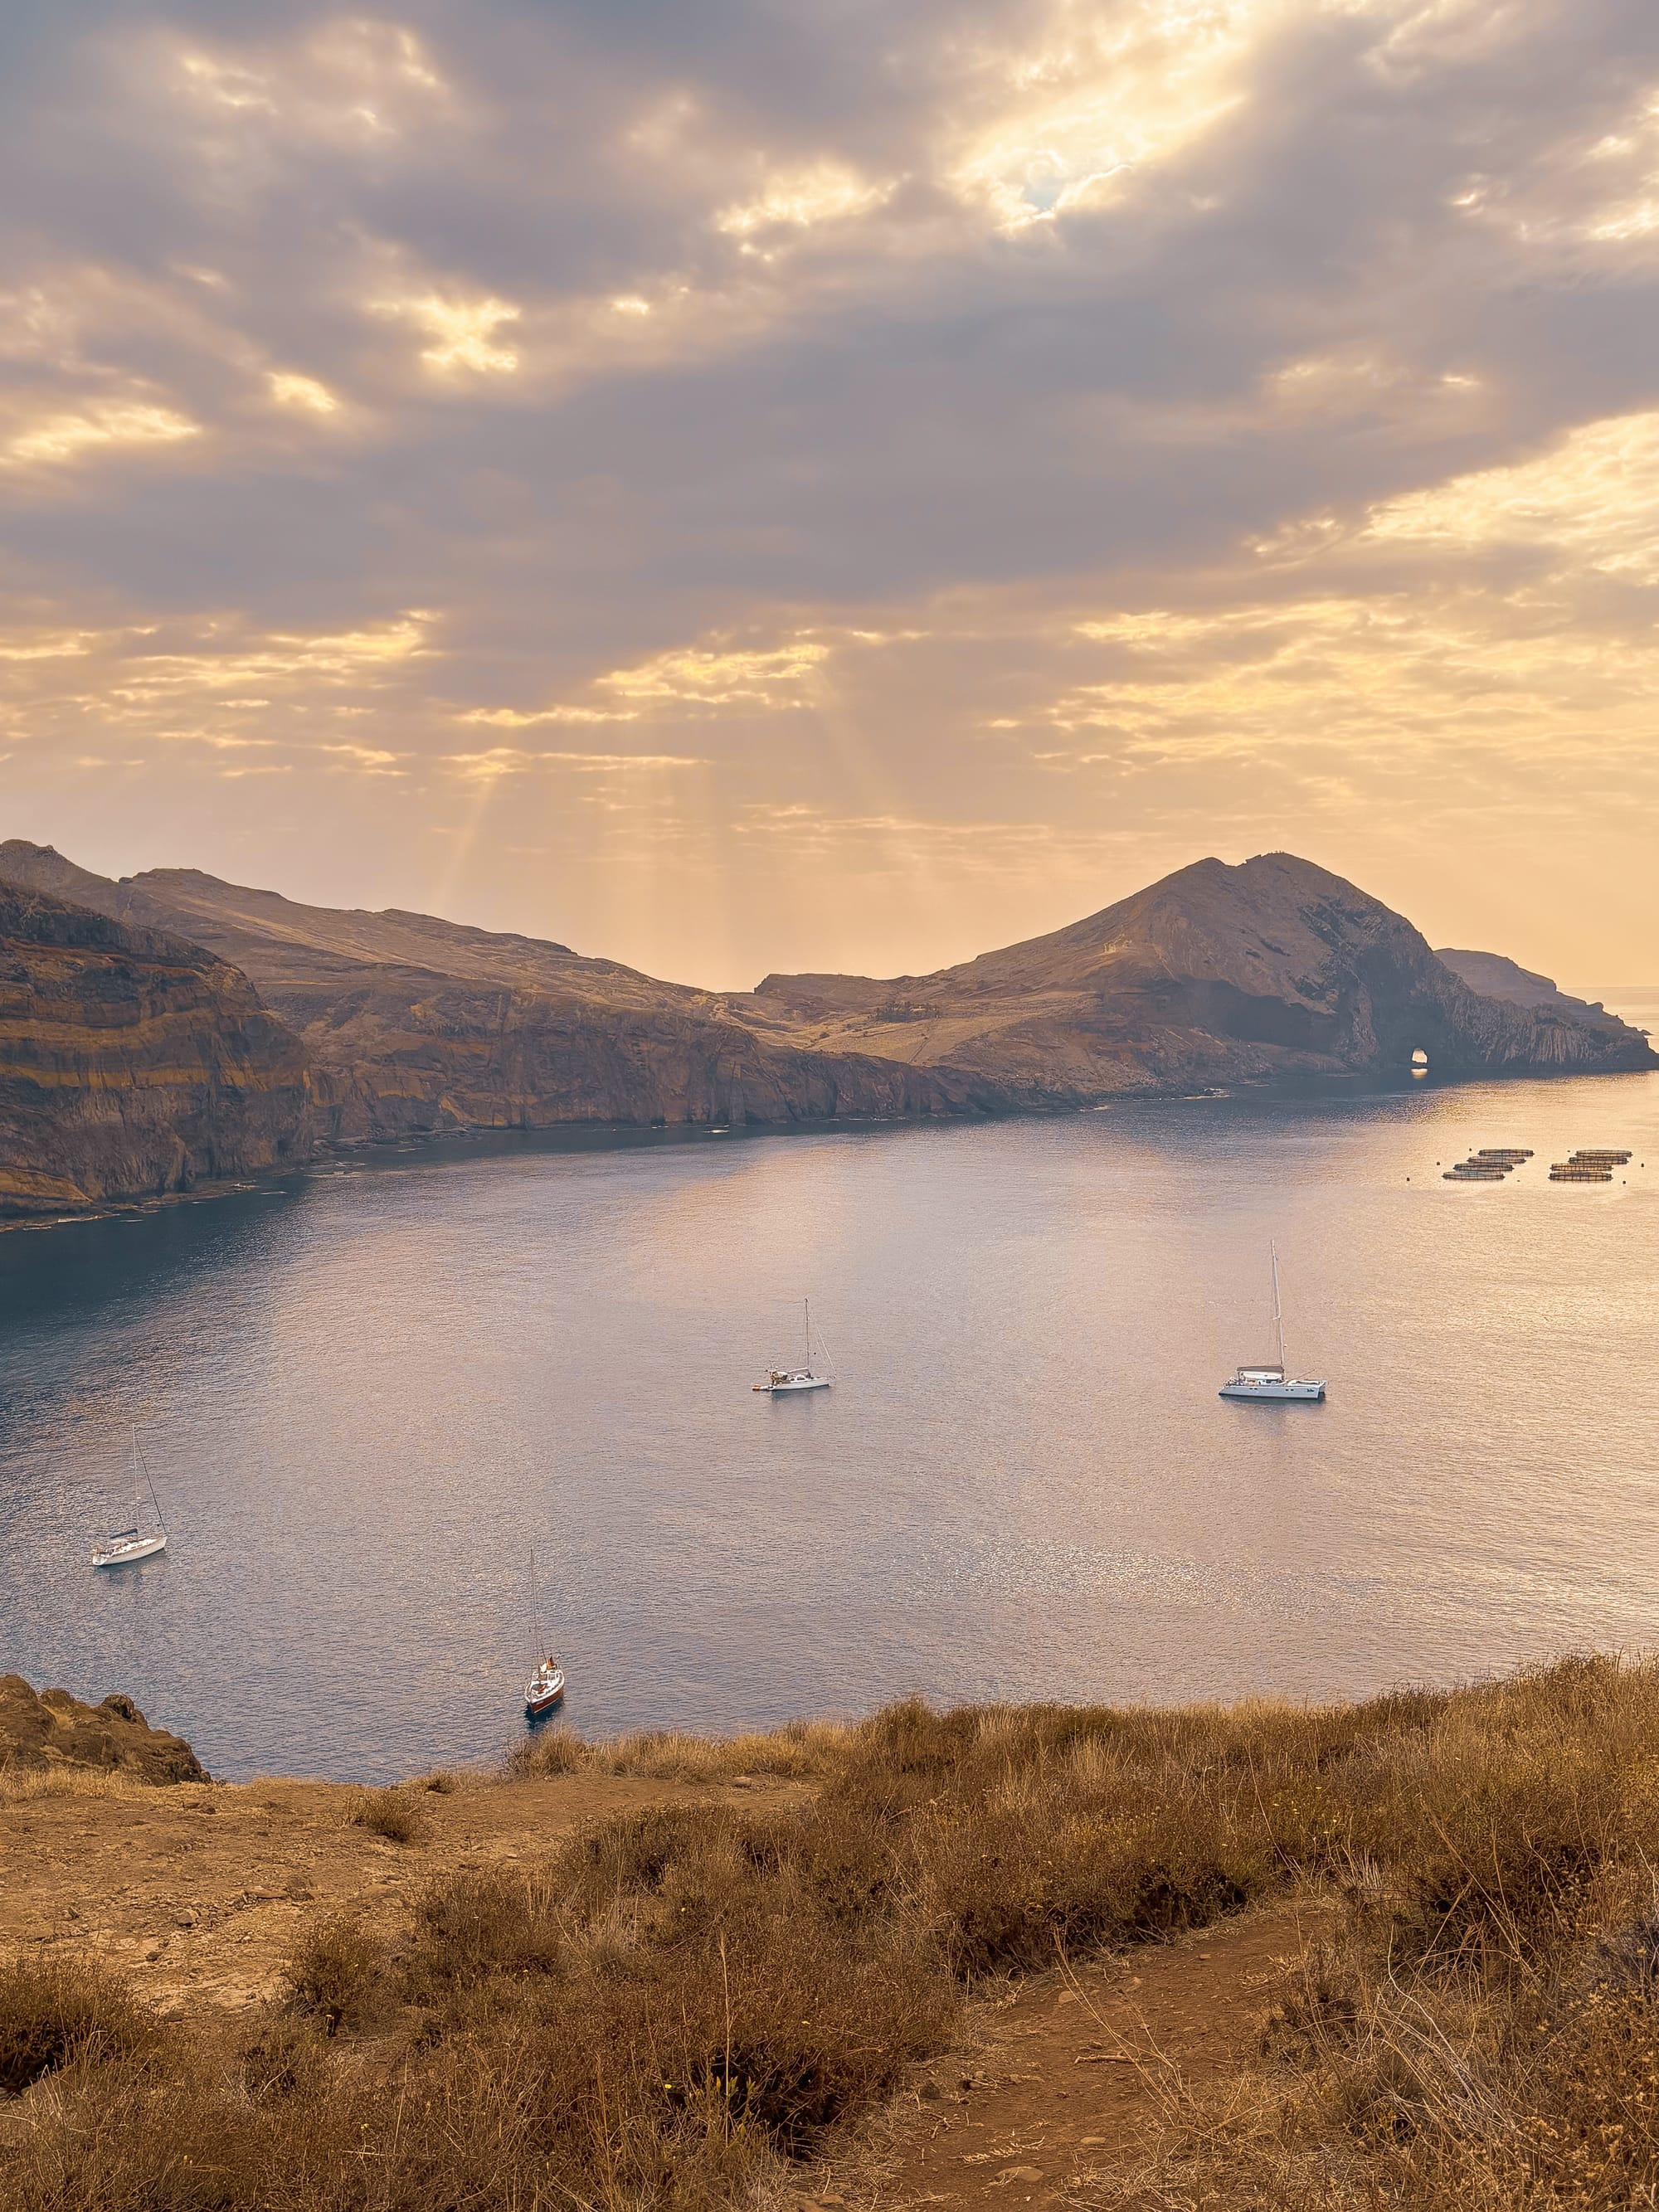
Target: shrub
{"type": "Point", "coordinates": [389, 1812]}
{"type": "Point", "coordinates": [336, 1976]}
{"type": "Point", "coordinates": [60, 2011]}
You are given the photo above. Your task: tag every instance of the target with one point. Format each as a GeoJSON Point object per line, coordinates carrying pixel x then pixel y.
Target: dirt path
{"type": "Point", "coordinates": [1076, 2072]}
{"type": "Point", "coordinates": [198, 1892]}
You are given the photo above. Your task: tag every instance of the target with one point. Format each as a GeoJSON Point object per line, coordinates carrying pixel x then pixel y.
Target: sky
{"type": "Point", "coordinates": [740, 485]}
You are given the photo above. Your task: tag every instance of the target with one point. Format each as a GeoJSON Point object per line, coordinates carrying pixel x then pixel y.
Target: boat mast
{"type": "Point", "coordinates": [1279, 1317]}
{"type": "Point", "coordinates": [140, 1462]}
{"type": "Point", "coordinates": [806, 1314]}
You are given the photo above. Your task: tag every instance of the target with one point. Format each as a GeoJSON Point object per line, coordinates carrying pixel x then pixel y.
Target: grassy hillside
{"type": "Point", "coordinates": [675, 2007]}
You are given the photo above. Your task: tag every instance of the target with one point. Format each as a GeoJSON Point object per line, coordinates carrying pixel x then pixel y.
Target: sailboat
{"type": "Point", "coordinates": [784, 1380]}
{"type": "Point", "coordinates": [137, 1542]}
{"type": "Point", "coordinates": [1273, 1385]}
{"type": "Point", "coordinates": [546, 1686]}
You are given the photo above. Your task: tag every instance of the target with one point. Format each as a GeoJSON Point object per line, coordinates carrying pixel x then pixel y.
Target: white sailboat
{"type": "Point", "coordinates": [137, 1542]}
{"type": "Point", "coordinates": [546, 1686]}
{"type": "Point", "coordinates": [1273, 1385]}
{"type": "Point", "coordinates": [783, 1381]}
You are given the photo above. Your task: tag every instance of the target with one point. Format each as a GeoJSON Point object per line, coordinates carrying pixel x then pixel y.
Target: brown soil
{"type": "Point", "coordinates": [1078, 2070]}
{"type": "Point", "coordinates": [199, 1893]}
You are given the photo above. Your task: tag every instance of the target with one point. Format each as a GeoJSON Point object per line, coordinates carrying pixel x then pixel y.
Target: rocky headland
{"type": "Point", "coordinates": [1215, 974]}
{"type": "Point", "coordinates": [1494, 977]}
{"type": "Point", "coordinates": [168, 1026]}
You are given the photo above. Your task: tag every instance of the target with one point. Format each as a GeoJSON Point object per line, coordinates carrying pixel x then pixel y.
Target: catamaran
{"type": "Point", "coordinates": [1272, 1385]}
{"type": "Point", "coordinates": [137, 1542]}
{"type": "Point", "coordinates": [783, 1381]}
{"type": "Point", "coordinates": [546, 1686]}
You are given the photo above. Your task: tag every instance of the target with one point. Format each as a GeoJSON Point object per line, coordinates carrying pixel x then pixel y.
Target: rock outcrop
{"type": "Point", "coordinates": [131, 1064]}
{"type": "Point", "coordinates": [54, 1730]}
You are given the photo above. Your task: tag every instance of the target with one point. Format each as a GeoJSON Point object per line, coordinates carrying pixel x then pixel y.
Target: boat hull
{"type": "Point", "coordinates": [123, 1555]}
{"type": "Point", "coordinates": [1274, 1393]}
{"type": "Point", "coordinates": [789, 1389]}
{"type": "Point", "coordinates": [545, 1693]}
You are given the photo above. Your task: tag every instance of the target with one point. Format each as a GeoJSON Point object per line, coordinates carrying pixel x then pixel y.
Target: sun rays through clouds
{"type": "Point", "coordinates": [761, 487]}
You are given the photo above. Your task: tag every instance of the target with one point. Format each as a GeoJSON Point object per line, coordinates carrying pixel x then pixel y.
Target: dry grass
{"type": "Point", "coordinates": [26, 1786]}
{"type": "Point", "coordinates": [806, 1751]}
{"type": "Point", "coordinates": [56, 2013]}
{"type": "Point", "coordinates": [675, 2007]}
{"type": "Point", "coordinates": [1483, 2033]}
{"type": "Point", "coordinates": [393, 1813]}
{"type": "Point", "coordinates": [337, 1977]}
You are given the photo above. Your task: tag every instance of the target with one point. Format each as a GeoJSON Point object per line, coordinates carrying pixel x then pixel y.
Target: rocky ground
{"type": "Point", "coordinates": [198, 1892]}
{"type": "Point", "coordinates": [40, 1730]}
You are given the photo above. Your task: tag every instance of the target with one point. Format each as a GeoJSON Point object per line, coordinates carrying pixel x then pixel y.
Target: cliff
{"type": "Point", "coordinates": [408, 1024]}
{"type": "Point", "coordinates": [54, 1730]}
{"type": "Point", "coordinates": [1216, 974]}
{"type": "Point", "coordinates": [414, 1024]}
{"type": "Point", "coordinates": [131, 1064]}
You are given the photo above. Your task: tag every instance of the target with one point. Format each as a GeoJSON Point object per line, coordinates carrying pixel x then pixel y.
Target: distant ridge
{"type": "Point", "coordinates": [1494, 977]}
{"type": "Point", "coordinates": [407, 1023]}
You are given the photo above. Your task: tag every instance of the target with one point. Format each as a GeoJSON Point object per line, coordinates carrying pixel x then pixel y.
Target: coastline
{"type": "Point", "coordinates": [474, 1140]}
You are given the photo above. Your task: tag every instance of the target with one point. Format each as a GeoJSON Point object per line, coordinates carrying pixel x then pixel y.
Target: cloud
{"type": "Point", "coordinates": [511, 760]}
{"type": "Point", "coordinates": [800, 199]}
{"type": "Point", "coordinates": [713, 677]}
{"type": "Point", "coordinates": [1592, 501]}
{"type": "Point", "coordinates": [98, 427]}
{"type": "Point", "coordinates": [1004, 447]}
{"type": "Point", "coordinates": [289, 389]}
{"type": "Point", "coordinates": [364, 760]}
{"type": "Point", "coordinates": [465, 333]}
{"type": "Point", "coordinates": [511, 718]}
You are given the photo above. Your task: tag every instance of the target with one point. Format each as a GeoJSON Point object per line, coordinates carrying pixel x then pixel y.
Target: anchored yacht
{"type": "Point", "coordinates": [546, 1686]}
{"type": "Point", "coordinates": [783, 1381]}
{"type": "Point", "coordinates": [137, 1542]}
{"type": "Point", "coordinates": [1272, 1385]}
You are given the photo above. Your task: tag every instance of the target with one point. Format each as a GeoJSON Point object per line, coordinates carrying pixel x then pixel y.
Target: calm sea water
{"type": "Point", "coordinates": [365, 1394]}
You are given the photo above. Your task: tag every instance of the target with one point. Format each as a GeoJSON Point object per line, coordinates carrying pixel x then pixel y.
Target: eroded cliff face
{"type": "Point", "coordinates": [1492, 976]}
{"type": "Point", "coordinates": [389, 1056]}
{"type": "Point", "coordinates": [131, 1065]}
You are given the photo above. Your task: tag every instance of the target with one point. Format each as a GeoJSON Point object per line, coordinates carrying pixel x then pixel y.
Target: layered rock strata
{"type": "Point", "coordinates": [412, 1024]}
{"type": "Point", "coordinates": [131, 1064]}
{"type": "Point", "coordinates": [1493, 978]}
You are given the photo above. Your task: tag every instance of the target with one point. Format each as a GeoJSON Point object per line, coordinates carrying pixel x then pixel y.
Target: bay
{"type": "Point", "coordinates": [365, 1391]}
